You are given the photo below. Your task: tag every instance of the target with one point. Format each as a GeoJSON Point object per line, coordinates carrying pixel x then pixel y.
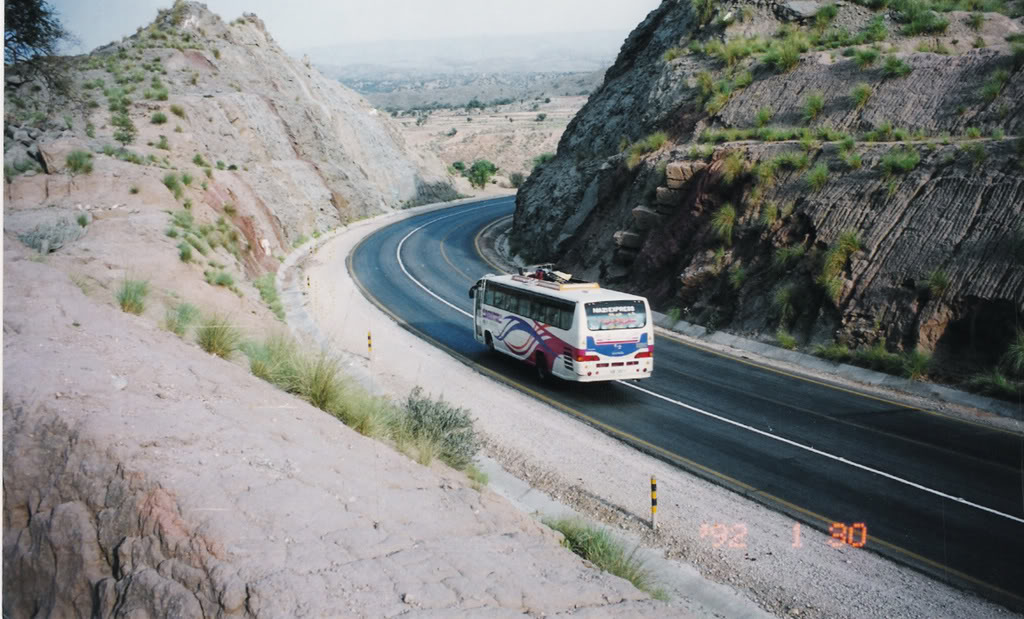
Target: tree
{"type": "Point", "coordinates": [126, 131]}
{"type": "Point", "coordinates": [480, 172]}
{"type": "Point", "coordinates": [517, 179]}
{"type": "Point", "coordinates": [32, 33]}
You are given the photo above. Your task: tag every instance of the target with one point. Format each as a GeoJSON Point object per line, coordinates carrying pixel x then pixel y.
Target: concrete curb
{"type": "Point", "coordinates": [842, 370]}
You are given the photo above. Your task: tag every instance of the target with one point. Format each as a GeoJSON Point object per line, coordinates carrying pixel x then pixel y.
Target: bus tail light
{"type": "Point", "coordinates": [646, 354]}
{"type": "Point", "coordinates": [582, 357]}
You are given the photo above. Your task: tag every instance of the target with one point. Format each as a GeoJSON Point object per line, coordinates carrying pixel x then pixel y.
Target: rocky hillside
{"type": "Point", "coordinates": [854, 176]}
{"type": "Point", "coordinates": [193, 156]}
{"type": "Point", "coordinates": [223, 103]}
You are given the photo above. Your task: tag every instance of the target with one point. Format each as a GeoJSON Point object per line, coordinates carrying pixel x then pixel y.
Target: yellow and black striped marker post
{"type": "Point", "coordinates": [654, 502]}
{"type": "Point", "coordinates": [369, 344]}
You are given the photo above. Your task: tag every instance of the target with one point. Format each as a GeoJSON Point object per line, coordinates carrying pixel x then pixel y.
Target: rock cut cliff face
{"type": "Point", "coordinates": [898, 219]}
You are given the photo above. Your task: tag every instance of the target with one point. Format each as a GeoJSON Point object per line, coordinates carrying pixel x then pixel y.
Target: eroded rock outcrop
{"type": "Point", "coordinates": [940, 241]}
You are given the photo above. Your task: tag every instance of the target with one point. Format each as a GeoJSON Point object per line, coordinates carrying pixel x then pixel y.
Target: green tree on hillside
{"type": "Point", "coordinates": [32, 34]}
{"type": "Point", "coordinates": [481, 172]}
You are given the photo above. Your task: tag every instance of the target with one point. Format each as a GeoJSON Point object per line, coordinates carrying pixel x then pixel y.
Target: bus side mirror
{"type": "Point", "coordinates": [472, 292]}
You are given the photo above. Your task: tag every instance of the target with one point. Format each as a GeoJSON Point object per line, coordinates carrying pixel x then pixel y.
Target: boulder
{"type": "Point", "coordinates": [668, 197]}
{"type": "Point", "coordinates": [678, 173]}
{"type": "Point", "coordinates": [645, 217]}
{"type": "Point", "coordinates": [631, 240]}
{"type": "Point", "coordinates": [55, 154]}
{"type": "Point", "coordinates": [798, 10]}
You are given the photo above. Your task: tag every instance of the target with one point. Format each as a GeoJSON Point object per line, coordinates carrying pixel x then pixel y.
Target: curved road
{"type": "Point", "coordinates": [943, 495]}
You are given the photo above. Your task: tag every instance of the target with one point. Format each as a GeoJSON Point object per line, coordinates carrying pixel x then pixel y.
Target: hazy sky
{"type": "Point", "coordinates": [303, 24]}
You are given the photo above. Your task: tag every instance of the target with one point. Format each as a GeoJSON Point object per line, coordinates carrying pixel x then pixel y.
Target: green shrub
{"type": "Point", "coordinates": [825, 15]}
{"type": "Point", "coordinates": [217, 336]}
{"type": "Point", "coordinates": [937, 282]}
{"type": "Point", "coordinates": [874, 31]}
{"type": "Point", "coordinates": [186, 178]}
{"type": "Point", "coordinates": [787, 256]}
{"type": "Point", "coordinates": [769, 214]}
{"type": "Point", "coordinates": [784, 54]}
{"type": "Point", "coordinates": [895, 67]}
{"type": "Point", "coordinates": [90, 130]}
{"type": "Point", "coordinates": [764, 116]}
{"type": "Point", "coordinates": [881, 133]}
{"type": "Point", "coordinates": [997, 80]}
{"type": "Point", "coordinates": [277, 361]}
{"type": "Point", "coordinates": [836, 352]}
{"type": "Point", "coordinates": [733, 167]}
{"type": "Point", "coordinates": [900, 161]}
{"type": "Point", "coordinates": [131, 296]}
{"type": "Point", "coordinates": [878, 358]}
{"type": "Point", "coordinates": [860, 94]}
{"type": "Point", "coordinates": [916, 364]}
{"type": "Point", "coordinates": [784, 303]}
{"type": "Point", "coordinates": [674, 315]}
{"type": "Point", "coordinates": [926, 22]}
{"type": "Point", "coordinates": [180, 317]}
{"type": "Point", "coordinates": [49, 237]}
{"type": "Point", "coordinates": [79, 162]}
{"type": "Point", "coordinates": [818, 177]}
{"type": "Point", "coordinates": [267, 286]}
{"type": "Point", "coordinates": [996, 384]}
{"type": "Point", "coordinates": [704, 10]}
{"type": "Point", "coordinates": [219, 278]}
{"type": "Point", "coordinates": [448, 426]}
{"type": "Point", "coordinates": [792, 160]}
{"type": "Point", "coordinates": [864, 58]}
{"type": "Point", "coordinates": [672, 53]}
{"type": "Point", "coordinates": [975, 21]}
{"type": "Point", "coordinates": [158, 118]}
{"type": "Point", "coordinates": [785, 340]}
{"type": "Point", "coordinates": [199, 161]}
{"type": "Point", "coordinates": [177, 110]}
{"type": "Point", "coordinates": [539, 160]}
{"type": "Point", "coordinates": [184, 251]}
{"type": "Point", "coordinates": [722, 222]}
{"type": "Point", "coordinates": [1014, 357]}
{"type": "Point", "coordinates": [814, 104]}
{"type": "Point", "coordinates": [737, 275]}
{"type": "Point", "coordinates": [201, 246]}
{"type": "Point", "coordinates": [598, 547]}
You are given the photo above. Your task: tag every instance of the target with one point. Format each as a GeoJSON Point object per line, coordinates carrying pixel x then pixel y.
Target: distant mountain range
{"type": "Point", "coordinates": [547, 53]}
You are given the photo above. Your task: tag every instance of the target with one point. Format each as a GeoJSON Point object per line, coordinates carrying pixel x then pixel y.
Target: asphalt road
{"type": "Point", "coordinates": [943, 495]}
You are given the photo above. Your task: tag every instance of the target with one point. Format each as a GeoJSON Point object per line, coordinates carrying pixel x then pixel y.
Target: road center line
{"type": "Point", "coordinates": [398, 255]}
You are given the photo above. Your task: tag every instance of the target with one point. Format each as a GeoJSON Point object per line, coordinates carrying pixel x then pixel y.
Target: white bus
{"type": "Point", "coordinates": [573, 330]}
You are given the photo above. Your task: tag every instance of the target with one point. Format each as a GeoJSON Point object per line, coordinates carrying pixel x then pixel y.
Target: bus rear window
{"type": "Point", "coordinates": [609, 315]}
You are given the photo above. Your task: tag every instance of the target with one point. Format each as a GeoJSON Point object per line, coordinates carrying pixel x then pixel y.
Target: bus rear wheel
{"type": "Point", "coordinates": [541, 362]}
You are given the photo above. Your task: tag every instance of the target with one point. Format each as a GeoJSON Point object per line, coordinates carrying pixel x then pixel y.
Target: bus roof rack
{"type": "Point", "coordinates": [546, 275]}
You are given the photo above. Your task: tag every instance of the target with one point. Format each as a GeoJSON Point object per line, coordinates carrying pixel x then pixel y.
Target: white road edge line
{"type": "Point", "coordinates": [398, 255]}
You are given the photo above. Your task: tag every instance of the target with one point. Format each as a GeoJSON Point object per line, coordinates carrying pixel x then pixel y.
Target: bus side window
{"type": "Point", "coordinates": [536, 310]}
{"type": "Point", "coordinates": [550, 315]}
{"type": "Point", "coordinates": [489, 296]}
{"type": "Point", "coordinates": [565, 318]}
{"type": "Point", "coordinates": [499, 299]}
{"type": "Point", "coordinates": [511, 303]}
